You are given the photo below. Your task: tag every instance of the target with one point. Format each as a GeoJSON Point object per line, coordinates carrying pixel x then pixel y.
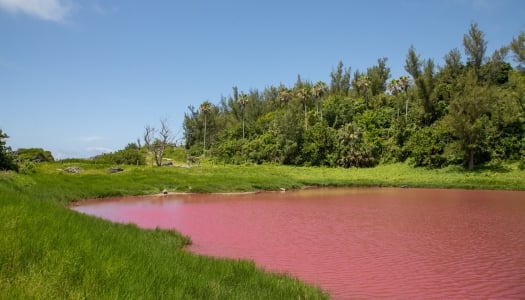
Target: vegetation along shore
{"type": "Point", "coordinates": [461, 125]}
{"type": "Point", "coordinates": [49, 251]}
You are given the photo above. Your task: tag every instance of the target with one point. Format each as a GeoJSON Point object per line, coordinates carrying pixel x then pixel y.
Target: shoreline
{"type": "Point", "coordinates": [75, 203]}
{"type": "Point", "coordinates": [117, 257]}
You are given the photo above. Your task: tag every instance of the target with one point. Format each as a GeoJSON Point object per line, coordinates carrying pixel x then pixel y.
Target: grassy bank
{"type": "Point", "coordinates": [48, 251]}
{"type": "Point", "coordinates": [94, 180]}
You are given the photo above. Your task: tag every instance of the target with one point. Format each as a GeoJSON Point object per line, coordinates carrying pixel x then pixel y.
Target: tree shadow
{"type": "Point", "coordinates": [494, 167]}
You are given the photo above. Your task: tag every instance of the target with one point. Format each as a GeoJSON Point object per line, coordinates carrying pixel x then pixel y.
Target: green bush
{"type": "Point", "coordinates": [175, 153]}
{"type": "Point", "coordinates": [34, 155]}
{"type": "Point", "coordinates": [354, 150]}
{"type": "Point", "coordinates": [127, 156]}
{"type": "Point", "coordinates": [27, 168]}
{"type": "Point", "coordinates": [521, 164]}
{"type": "Point", "coordinates": [427, 146]}
{"type": "Point", "coordinates": [7, 157]}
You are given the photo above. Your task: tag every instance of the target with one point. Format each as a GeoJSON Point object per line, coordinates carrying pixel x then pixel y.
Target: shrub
{"type": "Point", "coordinates": [127, 156]}
{"type": "Point", "coordinates": [34, 155]}
{"type": "Point", "coordinates": [7, 157]}
{"type": "Point", "coordinates": [27, 168]}
{"type": "Point", "coordinates": [427, 146]}
{"type": "Point", "coordinates": [521, 164]}
{"type": "Point", "coordinates": [353, 149]}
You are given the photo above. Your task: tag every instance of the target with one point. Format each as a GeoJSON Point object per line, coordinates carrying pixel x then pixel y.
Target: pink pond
{"type": "Point", "coordinates": [355, 242]}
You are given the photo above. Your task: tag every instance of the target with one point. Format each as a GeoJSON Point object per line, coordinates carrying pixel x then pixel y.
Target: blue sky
{"type": "Point", "coordinates": [78, 77]}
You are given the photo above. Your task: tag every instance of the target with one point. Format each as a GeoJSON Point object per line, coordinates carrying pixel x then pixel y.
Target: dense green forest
{"type": "Point", "coordinates": [467, 111]}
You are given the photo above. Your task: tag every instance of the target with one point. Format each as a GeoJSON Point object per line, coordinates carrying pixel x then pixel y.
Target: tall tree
{"type": "Point", "coordinates": [398, 86]}
{"type": "Point", "coordinates": [404, 83]}
{"type": "Point", "coordinates": [425, 88]}
{"type": "Point", "coordinates": [413, 63]}
{"type": "Point", "coordinates": [475, 47]}
{"type": "Point", "coordinates": [149, 136]}
{"type": "Point", "coordinates": [160, 143]}
{"type": "Point", "coordinates": [518, 48]}
{"type": "Point", "coordinates": [453, 65]}
{"type": "Point", "coordinates": [243, 100]}
{"type": "Point", "coordinates": [205, 109]}
{"type": "Point", "coordinates": [468, 116]}
{"type": "Point", "coordinates": [496, 70]}
{"type": "Point", "coordinates": [235, 93]}
{"type": "Point", "coordinates": [422, 72]}
{"type": "Point", "coordinates": [304, 94]}
{"type": "Point", "coordinates": [394, 88]}
{"type": "Point", "coordinates": [190, 125]}
{"type": "Point", "coordinates": [284, 95]}
{"type": "Point", "coordinates": [378, 76]}
{"type": "Point", "coordinates": [363, 84]}
{"type": "Point", "coordinates": [318, 92]}
{"type": "Point", "coordinates": [7, 161]}
{"type": "Point", "coordinates": [340, 80]}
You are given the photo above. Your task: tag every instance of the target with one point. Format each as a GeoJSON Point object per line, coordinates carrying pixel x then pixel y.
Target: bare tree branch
{"type": "Point", "coordinates": [149, 135]}
{"type": "Point", "coordinates": [159, 146]}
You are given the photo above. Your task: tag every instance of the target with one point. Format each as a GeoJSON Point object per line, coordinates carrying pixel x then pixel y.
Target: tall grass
{"type": "Point", "coordinates": [49, 251]}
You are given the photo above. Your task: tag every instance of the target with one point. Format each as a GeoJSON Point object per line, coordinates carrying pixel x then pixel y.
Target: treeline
{"type": "Point", "coordinates": [467, 111]}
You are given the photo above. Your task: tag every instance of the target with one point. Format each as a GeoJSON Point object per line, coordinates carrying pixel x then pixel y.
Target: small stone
{"type": "Point", "coordinates": [72, 170]}
{"type": "Point", "coordinates": [115, 169]}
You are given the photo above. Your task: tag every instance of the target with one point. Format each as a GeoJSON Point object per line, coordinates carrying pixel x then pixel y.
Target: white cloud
{"type": "Point", "coordinates": [49, 10]}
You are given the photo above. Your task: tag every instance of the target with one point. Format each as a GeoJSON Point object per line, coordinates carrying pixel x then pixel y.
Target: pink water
{"type": "Point", "coordinates": [355, 242]}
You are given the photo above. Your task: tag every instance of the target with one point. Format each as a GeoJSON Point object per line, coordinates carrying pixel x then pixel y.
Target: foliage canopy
{"type": "Point", "coordinates": [466, 112]}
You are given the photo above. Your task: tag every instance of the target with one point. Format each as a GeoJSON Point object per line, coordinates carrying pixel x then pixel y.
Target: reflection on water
{"type": "Point", "coordinates": [358, 242]}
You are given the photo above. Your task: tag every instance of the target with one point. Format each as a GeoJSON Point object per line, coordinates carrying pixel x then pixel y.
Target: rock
{"type": "Point", "coordinates": [73, 170]}
{"type": "Point", "coordinates": [115, 169]}
{"type": "Point", "coordinates": [37, 159]}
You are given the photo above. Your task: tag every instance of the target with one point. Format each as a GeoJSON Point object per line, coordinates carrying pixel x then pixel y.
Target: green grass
{"type": "Point", "coordinates": [49, 251]}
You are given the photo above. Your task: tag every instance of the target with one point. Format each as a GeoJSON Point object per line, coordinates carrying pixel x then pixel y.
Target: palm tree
{"type": "Point", "coordinates": [318, 92]}
{"type": "Point", "coordinates": [205, 110]}
{"type": "Point", "coordinates": [393, 87]}
{"type": "Point", "coordinates": [363, 84]}
{"type": "Point", "coordinates": [304, 94]}
{"type": "Point", "coordinates": [403, 84]}
{"type": "Point", "coordinates": [284, 95]}
{"type": "Point", "coordinates": [243, 100]}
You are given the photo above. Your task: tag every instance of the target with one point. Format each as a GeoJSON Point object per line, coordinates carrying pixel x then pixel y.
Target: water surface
{"type": "Point", "coordinates": [355, 242]}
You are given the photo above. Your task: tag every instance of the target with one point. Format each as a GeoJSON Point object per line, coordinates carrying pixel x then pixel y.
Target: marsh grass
{"type": "Point", "coordinates": [50, 252]}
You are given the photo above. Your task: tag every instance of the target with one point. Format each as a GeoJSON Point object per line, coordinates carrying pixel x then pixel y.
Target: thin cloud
{"type": "Point", "coordinates": [98, 150]}
{"type": "Point", "coordinates": [479, 5]}
{"type": "Point", "coordinates": [88, 139]}
{"type": "Point", "coordinates": [49, 10]}
{"type": "Point", "coordinates": [104, 10]}
{"type": "Point", "coordinates": [84, 153]}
